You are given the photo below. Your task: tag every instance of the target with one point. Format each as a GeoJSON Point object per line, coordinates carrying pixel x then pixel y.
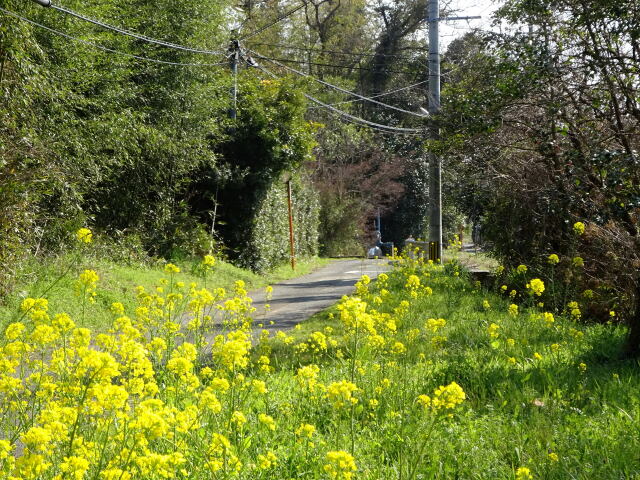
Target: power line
{"type": "Point", "coordinates": [276, 21]}
{"type": "Point", "coordinates": [348, 67]}
{"type": "Point", "coordinates": [138, 36]}
{"type": "Point", "coordinates": [389, 92]}
{"type": "Point", "coordinates": [340, 89]}
{"type": "Point", "coordinates": [106, 49]}
{"type": "Point", "coordinates": [333, 52]}
{"type": "Point", "coordinates": [353, 118]}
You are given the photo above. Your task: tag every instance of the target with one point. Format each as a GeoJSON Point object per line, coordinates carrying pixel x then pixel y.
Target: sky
{"type": "Point", "coordinates": [464, 8]}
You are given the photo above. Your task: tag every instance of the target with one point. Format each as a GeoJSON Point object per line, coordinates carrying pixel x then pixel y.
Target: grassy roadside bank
{"type": "Point", "coordinates": [118, 280]}
{"type": "Point", "coordinates": [419, 375]}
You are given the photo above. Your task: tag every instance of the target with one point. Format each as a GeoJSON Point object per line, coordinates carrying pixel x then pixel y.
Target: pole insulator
{"type": "Point", "coordinates": [43, 3]}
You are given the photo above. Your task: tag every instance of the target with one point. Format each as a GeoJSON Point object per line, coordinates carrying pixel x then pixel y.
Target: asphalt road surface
{"type": "Point", "coordinates": [295, 300]}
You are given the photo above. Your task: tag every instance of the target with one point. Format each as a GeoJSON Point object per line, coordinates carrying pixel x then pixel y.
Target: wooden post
{"type": "Point", "coordinates": [291, 239]}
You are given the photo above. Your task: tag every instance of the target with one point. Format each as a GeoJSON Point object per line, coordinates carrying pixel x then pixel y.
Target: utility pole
{"type": "Point", "coordinates": [234, 50]}
{"type": "Point", "coordinates": [435, 162]}
{"type": "Point", "coordinates": [433, 107]}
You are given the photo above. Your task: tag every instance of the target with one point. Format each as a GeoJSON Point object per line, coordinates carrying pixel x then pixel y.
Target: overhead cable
{"type": "Point", "coordinates": [138, 36]}
{"type": "Point", "coordinates": [389, 92]}
{"type": "Point", "coordinates": [107, 49]}
{"type": "Point", "coordinates": [333, 52]}
{"type": "Point", "coordinates": [340, 89]}
{"type": "Point", "coordinates": [276, 21]}
{"type": "Point", "coordinates": [348, 116]}
{"type": "Point", "coordinates": [348, 67]}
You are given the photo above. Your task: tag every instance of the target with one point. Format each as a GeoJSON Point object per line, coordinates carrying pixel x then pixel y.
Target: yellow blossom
{"type": "Point", "coordinates": [267, 421]}
{"type": "Point", "coordinates": [305, 430]}
{"type": "Point", "coordinates": [493, 330]}
{"type": "Point", "coordinates": [523, 473]}
{"type": "Point", "coordinates": [267, 461]}
{"type": "Point", "coordinates": [434, 324]}
{"type": "Point", "coordinates": [447, 397]}
{"type": "Point", "coordinates": [208, 261]}
{"type": "Point", "coordinates": [341, 393]}
{"type": "Point", "coordinates": [340, 465]}
{"type": "Point", "coordinates": [14, 330]}
{"type": "Point", "coordinates": [238, 418]}
{"type": "Point", "coordinates": [170, 268]}
{"type": "Point", "coordinates": [537, 286]}
{"type": "Point", "coordinates": [84, 235]}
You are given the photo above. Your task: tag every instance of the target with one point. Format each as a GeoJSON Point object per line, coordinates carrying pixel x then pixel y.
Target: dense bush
{"type": "Point", "coordinates": [539, 147]}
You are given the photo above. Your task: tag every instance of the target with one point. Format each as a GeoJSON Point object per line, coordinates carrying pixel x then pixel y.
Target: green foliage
{"type": "Point", "coordinates": [267, 243]}
{"type": "Point", "coordinates": [529, 157]}
{"type": "Point", "coordinates": [537, 403]}
{"type": "Point", "coordinates": [131, 146]}
{"type": "Point", "coordinates": [270, 138]}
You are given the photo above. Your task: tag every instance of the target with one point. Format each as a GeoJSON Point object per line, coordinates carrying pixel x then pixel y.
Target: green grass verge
{"type": "Point", "coordinates": [56, 279]}
{"type": "Point", "coordinates": [552, 397]}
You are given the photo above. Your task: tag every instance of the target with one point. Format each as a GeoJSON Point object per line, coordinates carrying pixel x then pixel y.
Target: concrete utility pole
{"type": "Point", "coordinates": [234, 50]}
{"type": "Point", "coordinates": [435, 162]}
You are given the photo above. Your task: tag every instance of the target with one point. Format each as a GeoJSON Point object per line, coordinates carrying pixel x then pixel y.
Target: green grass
{"type": "Point", "coordinates": [552, 397]}
{"type": "Point", "coordinates": [516, 414]}
{"type": "Point", "coordinates": [119, 279]}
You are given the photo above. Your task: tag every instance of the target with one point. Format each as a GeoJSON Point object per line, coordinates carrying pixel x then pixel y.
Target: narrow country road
{"type": "Point", "coordinates": [295, 300]}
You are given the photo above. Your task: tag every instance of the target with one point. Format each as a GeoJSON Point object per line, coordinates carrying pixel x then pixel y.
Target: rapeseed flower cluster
{"type": "Point", "coordinates": [340, 465]}
{"type": "Point", "coordinates": [180, 386]}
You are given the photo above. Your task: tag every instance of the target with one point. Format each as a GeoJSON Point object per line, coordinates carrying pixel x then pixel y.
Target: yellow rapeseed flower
{"type": "Point", "coordinates": [267, 461]}
{"type": "Point", "coordinates": [447, 397]}
{"type": "Point", "coordinates": [578, 228]}
{"type": "Point", "coordinates": [434, 324]}
{"type": "Point", "coordinates": [537, 286]}
{"type": "Point", "coordinates": [493, 330]}
{"type": "Point", "coordinates": [340, 465]}
{"type": "Point", "coordinates": [170, 268]}
{"type": "Point", "coordinates": [305, 430]}
{"type": "Point", "coordinates": [14, 330]}
{"type": "Point", "coordinates": [209, 261]}
{"type": "Point", "coordinates": [341, 393]}
{"type": "Point", "coordinates": [84, 235]}
{"type": "Point", "coordinates": [267, 421]}
{"type": "Point", "coordinates": [523, 473]}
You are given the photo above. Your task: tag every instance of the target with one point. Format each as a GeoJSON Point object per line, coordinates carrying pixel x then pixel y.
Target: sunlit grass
{"type": "Point", "coordinates": [422, 374]}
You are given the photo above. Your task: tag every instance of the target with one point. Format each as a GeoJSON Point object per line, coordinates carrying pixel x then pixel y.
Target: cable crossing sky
{"type": "Point", "coordinates": [335, 87]}
{"type": "Point", "coordinates": [352, 118]}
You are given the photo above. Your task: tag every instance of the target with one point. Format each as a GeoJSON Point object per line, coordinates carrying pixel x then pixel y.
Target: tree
{"type": "Point", "coordinates": [543, 126]}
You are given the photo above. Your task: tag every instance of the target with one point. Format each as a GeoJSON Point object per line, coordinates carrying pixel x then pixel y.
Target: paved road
{"type": "Point", "coordinates": [295, 300]}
